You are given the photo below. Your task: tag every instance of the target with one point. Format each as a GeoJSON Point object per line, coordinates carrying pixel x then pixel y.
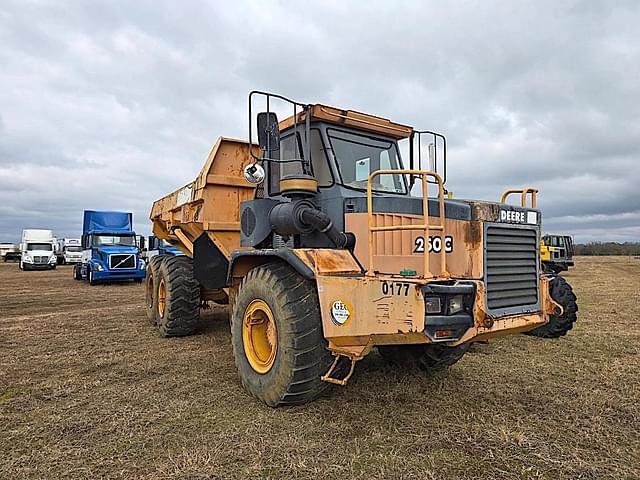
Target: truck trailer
{"type": "Point", "coordinates": [9, 252]}
{"type": "Point", "coordinates": [110, 252]}
{"type": "Point", "coordinates": [37, 250]}
{"type": "Point", "coordinates": [314, 239]}
{"type": "Point", "coordinates": [69, 251]}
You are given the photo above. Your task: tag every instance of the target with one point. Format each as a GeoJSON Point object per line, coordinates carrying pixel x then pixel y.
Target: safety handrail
{"type": "Point", "coordinates": [524, 192]}
{"type": "Point", "coordinates": [425, 227]}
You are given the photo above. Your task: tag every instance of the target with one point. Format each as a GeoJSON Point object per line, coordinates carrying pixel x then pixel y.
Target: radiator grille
{"type": "Point", "coordinates": [511, 263]}
{"type": "Point", "coordinates": [40, 259]}
{"type": "Point", "coordinates": [117, 262]}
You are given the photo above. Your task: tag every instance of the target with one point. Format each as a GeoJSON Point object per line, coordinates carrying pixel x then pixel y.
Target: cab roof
{"type": "Point", "coordinates": [351, 118]}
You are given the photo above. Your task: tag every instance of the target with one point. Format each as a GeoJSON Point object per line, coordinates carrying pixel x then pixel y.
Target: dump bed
{"type": "Point", "coordinates": [211, 203]}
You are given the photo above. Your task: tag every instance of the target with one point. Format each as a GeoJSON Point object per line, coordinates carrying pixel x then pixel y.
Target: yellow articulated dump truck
{"type": "Point", "coordinates": [325, 246]}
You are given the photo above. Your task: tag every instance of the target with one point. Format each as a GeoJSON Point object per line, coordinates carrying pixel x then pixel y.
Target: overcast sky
{"type": "Point", "coordinates": [111, 105]}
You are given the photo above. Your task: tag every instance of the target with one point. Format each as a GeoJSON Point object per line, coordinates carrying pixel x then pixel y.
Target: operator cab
{"type": "Point", "coordinates": [344, 148]}
{"type": "Point", "coordinates": [340, 149]}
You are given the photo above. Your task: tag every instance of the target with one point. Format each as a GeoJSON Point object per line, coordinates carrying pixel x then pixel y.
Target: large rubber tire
{"type": "Point", "coordinates": [426, 357]}
{"type": "Point", "coordinates": [558, 326]}
{"type": "Point", "coordinates": [301, 354]}
{"type": "Point", "coordinates": [181, 311]}
{"type": "Point", "coordinates": [76, 271]}
{"type": "Point", "coordinates": [151, 289]}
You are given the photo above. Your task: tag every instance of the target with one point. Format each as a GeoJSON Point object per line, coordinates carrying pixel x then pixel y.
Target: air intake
{"type": "Point", "coordinates": [511, 269]}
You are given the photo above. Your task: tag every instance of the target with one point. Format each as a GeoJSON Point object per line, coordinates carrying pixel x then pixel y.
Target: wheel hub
{"type": "Point", "coordinates": [259, 336]}
{"type": "Point", "coordinates": [162, 298]}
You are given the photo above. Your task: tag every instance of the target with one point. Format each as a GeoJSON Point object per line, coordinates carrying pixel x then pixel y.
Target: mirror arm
{"type": "Point", "coordinates": [306, 166]}
{"type": "Point", "coordinates": [412, 179]}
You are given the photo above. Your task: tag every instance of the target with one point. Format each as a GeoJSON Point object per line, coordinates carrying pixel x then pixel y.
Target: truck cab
{"type": "Point", "coordinates": [37, 250]}
{"type": "Point", "coordinates": [157, 246]}
{"type": "Point", "coordinates": [110, 251]}
{"type": "Point", "coordinates": [69, 251]}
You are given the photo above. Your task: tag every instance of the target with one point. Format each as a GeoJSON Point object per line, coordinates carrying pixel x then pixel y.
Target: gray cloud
{"type": "Point", "coordinates": [112, 105]}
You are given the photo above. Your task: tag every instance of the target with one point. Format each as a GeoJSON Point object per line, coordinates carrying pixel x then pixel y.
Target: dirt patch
{"type": "Point", "coordinates": [88, 390]}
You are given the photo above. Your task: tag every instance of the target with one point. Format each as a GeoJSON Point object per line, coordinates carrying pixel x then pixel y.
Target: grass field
{"type": "Point", "coordinates": [88, 390]}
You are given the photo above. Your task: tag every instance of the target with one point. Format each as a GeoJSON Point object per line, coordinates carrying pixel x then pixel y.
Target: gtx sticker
{"type": "Point", "coordinates": [395, 288]}
{"type": "Point", "coordinates": [435, 244]}
{"type": "Point", "coordinates": [340, 312]}
{"type": "Point", "coordinates": [513, 216]}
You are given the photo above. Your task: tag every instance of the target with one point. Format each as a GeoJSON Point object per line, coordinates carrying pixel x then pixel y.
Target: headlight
{"type": "Point", "coordinates": [456, 304]}
{"type": "Point", "coordinates": [53, 259]}
{"type": "Point", "coordinates": [432, 304]}
{"type": "Point", "coordinates": [99, 267]}
{"type": "Point", "coordinates": [27, 258]}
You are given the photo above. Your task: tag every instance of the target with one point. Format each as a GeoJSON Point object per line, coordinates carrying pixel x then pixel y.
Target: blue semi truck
{"type": "Point", "coordinates": [157, 246]}
{"type": "Point", "coordinates": [110, 252]}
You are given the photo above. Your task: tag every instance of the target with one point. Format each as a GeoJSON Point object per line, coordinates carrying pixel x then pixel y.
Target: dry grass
{"type": "Point", "coordinates": [88, 390]}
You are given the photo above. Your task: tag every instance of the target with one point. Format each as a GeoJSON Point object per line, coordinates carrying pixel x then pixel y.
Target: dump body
{"type": "Point", "coordinates": [37, 249]}
{"type": "Point", "coordinates": [109, 248]}
{"type": "Point", "coordinates": [207, 210]}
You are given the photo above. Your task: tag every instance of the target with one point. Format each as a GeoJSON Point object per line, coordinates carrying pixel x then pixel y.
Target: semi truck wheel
{"type": "Point", "coordinates": [562, 293]}
{"type": "Point", "coordinates": [427, 357]}
{"type": "Point", "coordinates": [76, 272]}
{"type": "Point", "coordinates": [151, 289]}
{"type": "Point", "coordinates": [276, 333]}
{"type": "Point", "coordinates": [178, 297]}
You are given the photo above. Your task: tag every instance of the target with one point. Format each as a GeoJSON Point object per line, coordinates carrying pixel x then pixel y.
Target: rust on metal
{"type": "Point", "coordinates": [362, 121]}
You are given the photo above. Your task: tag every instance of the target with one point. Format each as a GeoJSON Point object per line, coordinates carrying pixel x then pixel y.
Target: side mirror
{"type": "Point", "coordinates": [268, 132]}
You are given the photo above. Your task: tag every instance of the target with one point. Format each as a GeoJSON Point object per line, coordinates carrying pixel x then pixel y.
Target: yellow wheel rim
{"type": "Point", "coordinates": [149, 289]}
{"type": "Point", "coordinates": [259, 336]}
{"type": "Point", "coordinates": [162, 298]}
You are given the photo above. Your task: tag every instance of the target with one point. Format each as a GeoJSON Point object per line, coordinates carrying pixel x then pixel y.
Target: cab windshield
{"type": "Point", "coordinates": [73, 248]}
{"type": "Point", "coordinates": [120, 240]}
{"type": "Point", "coordinates": [359, 155]}
{"type": "Point", "coordinates": [40, 246]}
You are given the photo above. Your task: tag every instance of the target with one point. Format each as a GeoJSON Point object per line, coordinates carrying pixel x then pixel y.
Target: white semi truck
{"type": "Point", "coordinates": [69, 251]}
{"type": "Point", "coordinates": [37, 250]}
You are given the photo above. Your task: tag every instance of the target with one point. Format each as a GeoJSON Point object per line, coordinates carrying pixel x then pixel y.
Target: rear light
{"type": "Point", "coordinates": [444, 333]}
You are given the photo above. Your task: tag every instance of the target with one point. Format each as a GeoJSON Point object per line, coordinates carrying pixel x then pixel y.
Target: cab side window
{"type": "Point", "coordinates": [291, 149]}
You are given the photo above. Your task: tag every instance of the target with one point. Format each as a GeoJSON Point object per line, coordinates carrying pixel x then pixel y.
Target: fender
{"type": "Point", "coordinates": [244, 260]}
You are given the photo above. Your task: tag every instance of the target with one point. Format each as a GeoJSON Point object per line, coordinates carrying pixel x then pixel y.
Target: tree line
{"type": "Point", "coordinates": [608, 248]}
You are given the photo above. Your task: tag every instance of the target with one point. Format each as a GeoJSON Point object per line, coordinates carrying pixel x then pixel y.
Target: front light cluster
{"type": "Point", "coordinates": [99, 267]}
{"type": "Point", "coordinates": [437, 303]}
{"type": "Point", "coordinates": [456, 304]}
{"type": "Point", "coordinates": [432, 304]}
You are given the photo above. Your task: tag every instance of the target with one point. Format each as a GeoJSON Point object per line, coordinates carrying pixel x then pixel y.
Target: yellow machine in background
{"type": "Point", "coordinates": [556, 253]}
{"type": "Point", "coordinates": [313, 238]}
